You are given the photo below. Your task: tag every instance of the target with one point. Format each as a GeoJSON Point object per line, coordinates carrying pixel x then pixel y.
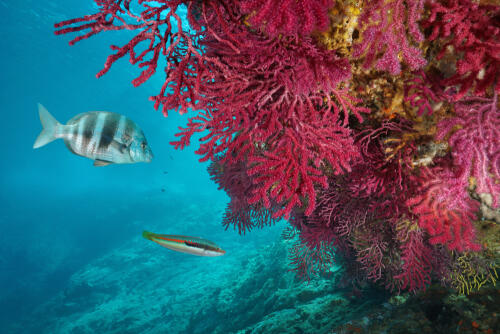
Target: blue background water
{"type": "Point", "coordinates": [58, 213]}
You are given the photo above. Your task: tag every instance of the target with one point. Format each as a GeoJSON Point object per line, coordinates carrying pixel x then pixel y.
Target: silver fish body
{"type": "Point", "coordinates": [102, 136]}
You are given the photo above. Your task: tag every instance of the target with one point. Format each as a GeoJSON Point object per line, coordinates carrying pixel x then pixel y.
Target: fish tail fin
{"type": "Point", "coordinates": [49, 130]}
{"type": "Point", "coordinates": [147, 235]}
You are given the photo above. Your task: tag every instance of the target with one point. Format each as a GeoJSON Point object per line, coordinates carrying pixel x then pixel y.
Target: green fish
{"type": "Point", "coordinates": [184, 244]}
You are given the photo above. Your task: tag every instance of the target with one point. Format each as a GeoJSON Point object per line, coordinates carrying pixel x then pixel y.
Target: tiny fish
{"type": "Point", "coordinates": [183, 244]}
{"type": "Point", "coordinates": [102, 136]}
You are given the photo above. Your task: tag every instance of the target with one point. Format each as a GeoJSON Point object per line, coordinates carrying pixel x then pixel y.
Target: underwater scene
{"type": "Point", "coordinates": [250, 166]}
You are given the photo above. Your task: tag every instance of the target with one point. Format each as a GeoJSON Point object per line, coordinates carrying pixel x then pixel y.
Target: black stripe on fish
{"type": "Point", "coordinates": [108, 131]}
{"type": "Point", "coordinates": [200, 246]}
{"type": "Point", "coordinates": [74, 133]}
{"type": "Point", "coordinates": [88, 130]}
{"type": "Point", "coordinates": [194, 244]}
{"type": "Point", "coordinates": [101, 119]}
{"type": "Point", "coordinates": [128, 132]}
{"type": "Point", "coordinates": [72, 140]}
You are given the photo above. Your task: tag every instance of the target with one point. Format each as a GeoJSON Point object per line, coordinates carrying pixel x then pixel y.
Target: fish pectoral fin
{"type": "Point", "coordinates": [100, 163]}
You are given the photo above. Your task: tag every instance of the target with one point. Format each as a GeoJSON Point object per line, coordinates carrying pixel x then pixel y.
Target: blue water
{"type": "Point", "coordinates": [60, 216]}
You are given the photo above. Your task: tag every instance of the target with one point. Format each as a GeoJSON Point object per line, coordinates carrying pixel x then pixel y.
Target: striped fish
{"type": "Point", "coordinates": [184, 244]}
{"type": "Point", "coordinates": [102, 136]}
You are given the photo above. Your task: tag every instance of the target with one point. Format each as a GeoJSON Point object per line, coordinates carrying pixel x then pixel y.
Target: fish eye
{"type": "Point", "coordinates": [143, 145]}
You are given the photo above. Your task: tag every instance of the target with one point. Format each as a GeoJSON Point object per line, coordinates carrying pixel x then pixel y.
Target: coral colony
{"type": "Point", "coordinates": [372, 126]}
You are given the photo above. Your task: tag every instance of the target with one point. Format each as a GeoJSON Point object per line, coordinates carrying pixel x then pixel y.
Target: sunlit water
{"type": "Point", "coordinates": [64, 221]}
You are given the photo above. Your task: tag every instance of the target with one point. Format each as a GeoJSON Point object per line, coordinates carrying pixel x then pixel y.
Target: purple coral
{"type": "Point", "coordinates": [423, 92]}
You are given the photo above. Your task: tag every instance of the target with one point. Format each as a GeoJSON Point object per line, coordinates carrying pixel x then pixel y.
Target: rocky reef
{"type": "Point", "coordinates": [138, 288]}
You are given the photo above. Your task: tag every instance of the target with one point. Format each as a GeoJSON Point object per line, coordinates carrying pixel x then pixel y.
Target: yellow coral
{"type": "Point", "coordinates": [344, 20]}
{"type": "Point", "coordinates": [465, 278]}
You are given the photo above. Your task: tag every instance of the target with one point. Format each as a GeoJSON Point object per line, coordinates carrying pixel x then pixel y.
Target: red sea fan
{"type": "Point", "coordinates": [445, 210]}
{"type": "Point", "coordinates": [416, 255]}
{"type": "Point", "coordinates": [472, 31]}
{"type": "Point", "coordinates": [313, 253]}
{"type": "Point", "coordinates": [116, 15]}
{"type": "Point", "coordinates": [291, 166]}
{"type": "Point", "coordinates": [233, 179]}
{"type": "Point", "coordinates": [475, 143]}
{"type": "Point", "coordinates": [274, 103]}
{"type": "Point", "coordinates": [159, 33]}
{"type": "Point", "coordinates": [367, 225]}
{"type": "Point", "coordinates": [384, 32]}
{"type": "Point", "coordinates": [378, 173]}
{"type": "Point", "coordinates": [372, 245]}
{"type": "Point", "coordinates": [288, 17]}
{"type": "Point", "coordinates": [309, 262]}
{"type": "Point", "coordinates": [423, 93]}
{"type": "Point", "coordinates": [346, 222]}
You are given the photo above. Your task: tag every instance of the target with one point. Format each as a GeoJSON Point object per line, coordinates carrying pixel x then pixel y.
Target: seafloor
{"type": "Point", "coordinates": [251, 291]}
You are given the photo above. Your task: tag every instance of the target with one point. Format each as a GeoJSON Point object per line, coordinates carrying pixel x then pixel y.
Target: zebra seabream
{"type": "Point", "coordinates": [102, 136]}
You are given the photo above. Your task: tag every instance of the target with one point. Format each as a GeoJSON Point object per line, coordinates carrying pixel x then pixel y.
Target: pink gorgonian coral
{"type": "Point", "coordinates": [474, 138]}
{"type": "Point", "coordinates": [308, 260]}
{"type": "Point", "coordinates": [275, 103]}
{"type": "Point", "coordinates": [472, 31]}
{"type": "Point", "coordinates": [444, 209]}
{"type": "Point", "coordinates": [423, 93]}
{"type": "Point", "coordinates": [384, 38]}
{"type": "Point", "coordinates": [233, 179]}
{"type": "Point", "coordinates": [287, 17]}
{"type": "Point", "coordinates": [416, 255]}
{"type": "Point", "coordinates": [383, 246]}
{"type": "Point", "coordinates": [378, 173]}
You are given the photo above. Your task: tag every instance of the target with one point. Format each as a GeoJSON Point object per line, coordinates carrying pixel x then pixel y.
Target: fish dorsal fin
{"type": "Point", "coordinates": [101, 163]}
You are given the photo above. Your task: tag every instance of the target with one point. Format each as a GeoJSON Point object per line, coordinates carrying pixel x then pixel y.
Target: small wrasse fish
{"type": "Point", "coordinates": [102, 136]}
{"type": "Point", "coordinates": [184, 244]}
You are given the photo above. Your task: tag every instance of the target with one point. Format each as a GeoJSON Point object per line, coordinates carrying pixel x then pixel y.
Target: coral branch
{"type": "Point", "coordinates": [274, 103]}
{"type": "Point", "coordinates": [233, 179]}
{"type": "Point", "coordinates": [475, 143]}
{"type": "Point", "coordinates": [288, 17]}
{"type": "Point", "coordinates": [445, 210]}
{"type": "Point", "coordinates": [415, 258]}
{"type": "Point", "coordinates": [280, 97]}
{"type": "Point", "coordinates": [471, 31]}
{"type": "Point", "coordinates": [156, 35]}
{"type": "Point", "coordinates": [383, 29]}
